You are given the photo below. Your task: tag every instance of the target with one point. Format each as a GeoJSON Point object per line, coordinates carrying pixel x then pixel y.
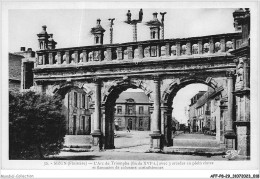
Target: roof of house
{"type": "Point", "coordinates": [203, 99]}
{"type": "Point", "coordinates": [138, 97]}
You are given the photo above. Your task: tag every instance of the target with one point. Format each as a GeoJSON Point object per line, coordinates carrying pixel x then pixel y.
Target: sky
{"type": "Point", "coordinates": [71, 27]}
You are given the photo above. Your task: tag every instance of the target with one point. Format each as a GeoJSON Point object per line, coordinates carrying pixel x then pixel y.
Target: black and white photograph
{"type": "Point", "coordinates": [130, 86]}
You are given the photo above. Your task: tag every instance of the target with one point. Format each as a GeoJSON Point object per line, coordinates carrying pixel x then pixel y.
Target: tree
{"type": "Point", "coordinates": [36, 125]}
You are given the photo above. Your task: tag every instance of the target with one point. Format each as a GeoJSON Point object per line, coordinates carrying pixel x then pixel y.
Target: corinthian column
{"type": "Point", "coordinates": [229, 132]}
{"type": "Point", "coordinates": [97, 135]}
{"type": "Point", "coordinates": [156, 132]}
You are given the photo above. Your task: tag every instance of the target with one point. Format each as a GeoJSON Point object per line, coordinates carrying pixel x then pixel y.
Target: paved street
{"type": "Point", "coordinates": [134, 145]}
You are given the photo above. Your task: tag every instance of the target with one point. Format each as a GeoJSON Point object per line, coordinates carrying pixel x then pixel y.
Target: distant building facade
{"type": "Point", "coordinates": [206, 113]}
{"type": "Point", "coordinates": [76, 108]}
{"type": "Point", "coordinates": [133, 109]}
{"type": "Point", "coordinates": [20, 69]}
{"type": "Point", "coordinates": [193, 118]}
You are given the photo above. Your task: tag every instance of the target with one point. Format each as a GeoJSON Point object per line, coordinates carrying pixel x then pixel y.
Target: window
{"type": "Point", "coordinates": [119, 109]}
{"type": "Point", "coordinates": [81, 122]}
{"type": "Point", "coordinates": [75, 99]}
{"type": "Point", "coordinates": [141, 122]}
{"type": "Point", "coordinates": [130, 109]}
{"type": "Point", "coordinates": [97, 39]}
{"type": "Point", "coordinates": [83, 100]}
{"type": "Point", "coordinates": [88, 99]}
{"type": "Point", "coordinates": [119, 122]}
{"type": "Point", "coordinates": [141, 109]}
{"type": "Point", "coordinates": [153, 36]}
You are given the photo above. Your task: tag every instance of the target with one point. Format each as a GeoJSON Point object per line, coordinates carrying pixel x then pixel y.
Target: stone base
{"type": "Point", "coordinates": [97, 141]}
{"type": "Point", "coordinates": [230, 140]}
{"type": "Point", "coordinates": [156, 142]}
{"type": "Point", "coordinates": [243, 140]}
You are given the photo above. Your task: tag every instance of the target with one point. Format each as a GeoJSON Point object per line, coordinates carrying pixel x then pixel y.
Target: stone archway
{"type": "Point", "coordinates": [172, 88]}
{"type": "Point", "coordinates": [76, 105]}
{"type": "Point", "coordinates": [169, 92]}
{"type": "Point", "coordinates": [110, 95]}
{"type": "Point", "coordinates": [63, 88]}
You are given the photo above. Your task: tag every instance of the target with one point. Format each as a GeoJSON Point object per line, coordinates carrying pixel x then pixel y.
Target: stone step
{"type": "Point", "coordinates": [83, 146]}
{"type": "Point", "coordinates": [77, 140]}
{"type": "Point", "coordinates": [77, 149]}
{"type": "Point", "coordinates": [196, 143]}
{"type": "Point", "coordinates": [194, 150]}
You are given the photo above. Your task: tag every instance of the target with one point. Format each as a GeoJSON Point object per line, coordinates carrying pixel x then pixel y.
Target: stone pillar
{"type": "Point", "coordinates": [84, 56]}
{"type": "Point", "coordinates": [223, 116]}
{"type": "Point", "coordinates": [100, 55]}
{"type": "Point", "coordinates": [223, 45]}
{"type": "Point", "coordinates": [67, 54]}
{"type": "Point", "coordinates": [140, 52]}
{"type": "Point", "coordinates": [43, 59]}
{"type": "Point", "coordinates": [36, 60]}
{"type": "Point", "coordinates": [234, 44]}
{"type": "Point", "coordinates": [200, 47]}
{"type": "Point", "coordinates": [156, 144]}
{"type": "Point", "coordinates": [76, 57]}
{"type": "Point", "coordinates": [158, 54]}
{"type": "Point", "coordinates": [50, 58]}
{"type": "Point", "coordinates": [134, 32]}
{"type": "Point", "coordinates": [130, 52]}
{"type": "Point", "coordinates": [59, 57]}
{"type": "Point", "coordinates": [167, 49]}
{"type": "Point", "coordinates": [119, 53]}
{"type": "Point", "coordinates": [97, 135]}
{"type": "Point", "coordinates": [166, 127]}
{"type": "Point", "coordinates": [211, 45]}
{"type": "Point", "coordinates": [111, 34]}
{"type": "Point", "coordinates": [178, 48]}
{"type": "Point", "coordinates": [188, 51]}
{"type": "Point", "coordinates": [109, 54]}
{"type": "Point", "coordinates": [229, 132]}
{"type": "Point", "coordinates": [243, 107]}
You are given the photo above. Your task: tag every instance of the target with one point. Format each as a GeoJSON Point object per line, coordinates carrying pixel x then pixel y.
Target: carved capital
{"type": "Point", "coordinates": [230, 73]}
{"type": "Point", "coordinates": [156, 78]}
{"type": "Point", "coordinates": [96, 80]}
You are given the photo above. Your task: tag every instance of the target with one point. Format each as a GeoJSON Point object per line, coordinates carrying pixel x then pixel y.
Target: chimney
{"type": "Point", "coordinates": [22, 49]}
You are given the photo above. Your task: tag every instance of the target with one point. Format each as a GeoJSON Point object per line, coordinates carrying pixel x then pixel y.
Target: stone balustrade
{"type": "Point", "coordinates": [150, 49]}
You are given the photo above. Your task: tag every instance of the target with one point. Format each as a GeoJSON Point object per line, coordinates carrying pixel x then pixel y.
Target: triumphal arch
{"type": "Point", "coordinates": [160, 67]}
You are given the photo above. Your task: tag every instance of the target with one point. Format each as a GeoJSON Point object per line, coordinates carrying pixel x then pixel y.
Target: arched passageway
{"type": "Point", "coordinates": [76, 108]}
{"type": "Point", "coordinates": [132, 113]}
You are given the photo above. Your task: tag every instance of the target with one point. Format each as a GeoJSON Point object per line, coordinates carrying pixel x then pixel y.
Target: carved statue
{"type": "Point", "coordinates": [239, 75]}
{"type": "Point", "coordinates": [128, 16]}
{"type": "Point", "coordinates": [141, 15]}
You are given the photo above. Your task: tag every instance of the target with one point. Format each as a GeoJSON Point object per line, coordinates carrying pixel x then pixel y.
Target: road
{"type": "Point", "coordinates": [133, 146]}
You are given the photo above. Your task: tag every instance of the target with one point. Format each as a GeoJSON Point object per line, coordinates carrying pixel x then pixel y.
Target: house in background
{"type": "Point", "coordinates": [76, 108]}
{"type": "Point", "coordinates": [133, 109]}
{"type": "Point", "coordinates": [193, 118]}
{"type": "Point", "coordinates": [20, 69]}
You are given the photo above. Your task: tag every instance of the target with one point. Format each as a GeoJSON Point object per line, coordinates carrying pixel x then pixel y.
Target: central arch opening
{"type": "Point", "coordinates": [127, 118]}
{"type": "Point", "coordinates": [197, 116]}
